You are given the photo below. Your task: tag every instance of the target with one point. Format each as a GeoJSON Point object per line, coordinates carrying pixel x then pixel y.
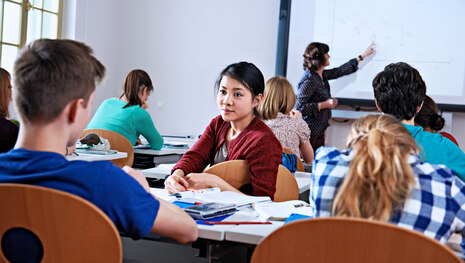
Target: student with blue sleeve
{"type": "Point", "coordinates": [65, 72]}
{"type": "Point", "coordinates": [400, 91]}
{"type": "Point", "coordinates": [127, 115]}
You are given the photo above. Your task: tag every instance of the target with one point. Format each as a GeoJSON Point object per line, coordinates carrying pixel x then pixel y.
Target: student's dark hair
{"type": "Point", "coordinates": [247, 74]}
{"type": "Point", "coordinates": [314, 56]}
{"type": "Point", "coordinates": [399, 90]}
{"type": "Point", "coordinates": [428, 116]}
{"type": "Point", "coordinates": [136, 80]}
{"type": "Point", "coordinates": [5, 92]}
{"type": "Point", "coordinates": [48, 74]}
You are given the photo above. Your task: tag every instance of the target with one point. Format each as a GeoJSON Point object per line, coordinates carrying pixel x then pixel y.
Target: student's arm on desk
{"type": "Point", "coordinates": [171, 221]}
{"type": "Point", "coordinates": [177, 182]}
{"type": "Point", "coordinates": [206, 180]}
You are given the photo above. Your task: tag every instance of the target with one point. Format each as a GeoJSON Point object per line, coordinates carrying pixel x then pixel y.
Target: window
{"type": "Point", "coordinates": [23, 21]}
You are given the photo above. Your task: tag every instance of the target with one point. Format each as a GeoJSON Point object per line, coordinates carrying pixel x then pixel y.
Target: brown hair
{"type": "Point", "coordinates": [279, 97]}
{"type": "Point", "coordinates": [5, 92]}
{"type": "Point", "coordinates": [48, 74]}
{"type": "Point", "coordinates": [380, 178]}
{"type": "Point", "coordinates": [135, 81]}
{"type": "Point", "coordinates": [428, 116]}
{"type": "Point", "coordinates": [314, 56]}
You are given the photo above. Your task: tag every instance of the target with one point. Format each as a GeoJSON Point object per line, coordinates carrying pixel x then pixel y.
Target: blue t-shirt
{"type": "Point", "coordinates": [116, 193]}
{"type": "Point", "coordinates": [437, 149]}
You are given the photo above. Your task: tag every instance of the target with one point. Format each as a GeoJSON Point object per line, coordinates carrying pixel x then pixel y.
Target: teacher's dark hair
{"type": "Point", "coordinates": [314, 56]}
{"type": "Point", "coordinates": [247, 74]}
{"type": "Point", "coordinates": [399, 90]}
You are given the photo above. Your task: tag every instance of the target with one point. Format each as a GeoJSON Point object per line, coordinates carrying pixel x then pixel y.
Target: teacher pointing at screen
{"type": "Point", "coordinates": [313, 92]}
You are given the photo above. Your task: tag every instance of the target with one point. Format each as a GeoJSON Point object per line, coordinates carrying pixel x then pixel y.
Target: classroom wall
{"type": "Point", "coordinates": [183, 45]}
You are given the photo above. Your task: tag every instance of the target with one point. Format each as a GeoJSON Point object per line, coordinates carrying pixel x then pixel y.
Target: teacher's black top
{"type": "Point", "coordinates": [312, 89]}
{"type": "Point", "coordinates": [8, 134]}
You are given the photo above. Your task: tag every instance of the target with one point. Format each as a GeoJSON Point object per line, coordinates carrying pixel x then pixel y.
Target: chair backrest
{"type": "Point", "coordinates": [237, 174]}
{"type": "Point", "coordinates": [338, 239]}
{"type": "Point", "coordinates": [300, 164]}
{"type": "Point", "coordinates": [69, 228]}
{"type": "Point", "coordinates": [286, 186]}
{"type": "Point", "coordinates": [117, 142]}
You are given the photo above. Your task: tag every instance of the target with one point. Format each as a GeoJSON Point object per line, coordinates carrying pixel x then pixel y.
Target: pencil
{"type": "Point", "coordinates": [236, 223]}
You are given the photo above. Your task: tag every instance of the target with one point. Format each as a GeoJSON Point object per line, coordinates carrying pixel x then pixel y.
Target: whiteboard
{"type": "Point", "coordinates": [429, 35]}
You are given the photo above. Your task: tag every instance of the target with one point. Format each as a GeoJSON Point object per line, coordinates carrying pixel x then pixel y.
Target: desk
{"type": "Point", "coordinates": [303, 181]}
{"type": "Point", "coordinates": [96, 157]}
{"type": "Point", "coordinates": [146, 158]}
{"type": "Point", "coordinates": [164, 170]}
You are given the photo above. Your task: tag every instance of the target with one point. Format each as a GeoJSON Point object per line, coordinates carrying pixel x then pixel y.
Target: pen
{"type": "Point", "coordinates": [236, 223]}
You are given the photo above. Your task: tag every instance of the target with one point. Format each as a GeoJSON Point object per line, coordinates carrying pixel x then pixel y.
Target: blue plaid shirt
{"type": "Point", "coordinates": [436, 206]}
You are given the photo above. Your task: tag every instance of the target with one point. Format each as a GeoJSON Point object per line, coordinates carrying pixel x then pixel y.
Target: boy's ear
{"type": "Point", "coordinates": [73, 109]}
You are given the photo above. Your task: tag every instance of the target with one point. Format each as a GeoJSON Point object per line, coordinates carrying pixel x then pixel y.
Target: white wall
{"type": "Point", "coordinates": [183, 45]}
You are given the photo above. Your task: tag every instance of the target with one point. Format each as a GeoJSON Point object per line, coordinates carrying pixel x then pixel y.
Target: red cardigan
{"type": "Point", "coordinates": [256, 144]}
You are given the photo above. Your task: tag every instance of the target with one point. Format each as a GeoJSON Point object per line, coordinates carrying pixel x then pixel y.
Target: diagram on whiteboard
{"type": "Point", "coordinates": [423, 33]}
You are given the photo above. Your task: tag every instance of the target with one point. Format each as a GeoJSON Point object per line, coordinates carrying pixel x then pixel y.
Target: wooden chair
{"type": "Point", "coordinates": [338, 239]}
{"type": "Point", "coordinates": [69, 228]}
{"type": "Point", "coordinates": [300, 164]}
{"type": "Point", "coordinates": [237, 174]}
{"type": "Point", "coordinates": [117, 142]}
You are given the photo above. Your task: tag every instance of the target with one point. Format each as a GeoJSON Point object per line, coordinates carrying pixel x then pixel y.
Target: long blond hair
{"type": "Point", "coordinates": [380, 178]}
{"type": "Point", "coordinates": [279, 97]}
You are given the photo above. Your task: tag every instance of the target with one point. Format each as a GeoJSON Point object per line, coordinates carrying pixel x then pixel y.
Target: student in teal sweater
{"type": "Point", "coordinates": [127, 115]}
{"type": "Point", "coordinates": [400, 91]}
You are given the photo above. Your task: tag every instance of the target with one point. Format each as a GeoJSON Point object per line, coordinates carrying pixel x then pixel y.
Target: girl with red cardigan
{"type": "Point", "coordinates": [237, 134]}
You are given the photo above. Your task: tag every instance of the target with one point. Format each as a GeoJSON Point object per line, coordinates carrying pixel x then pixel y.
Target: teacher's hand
{"type": "Point", "coordinates": [330, 103]}
{"type": "Point", "coordinates": [370, 50]}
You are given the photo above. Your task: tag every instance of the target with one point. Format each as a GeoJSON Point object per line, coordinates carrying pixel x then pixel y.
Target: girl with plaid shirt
{"type": "Point", "coordinates": [381, 177]}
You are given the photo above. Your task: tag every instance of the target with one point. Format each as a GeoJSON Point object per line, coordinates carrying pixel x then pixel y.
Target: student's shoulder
{"type": "Point", "coordinates": [429, 171]}
{"type": "Point", "coordinates": [332, 154]}
{"type": "Point", "coordinates": [261, 131]}
{"type": "Point", "coordinates": [97, 170]}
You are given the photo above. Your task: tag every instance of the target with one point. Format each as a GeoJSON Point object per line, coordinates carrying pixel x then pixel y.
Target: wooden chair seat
{"type": "Point", "coordinates": [69, 228]}
{"type": "Point", "coordinates": [338, 239]}
{"type": "Point", "coordinates": [117, 142]}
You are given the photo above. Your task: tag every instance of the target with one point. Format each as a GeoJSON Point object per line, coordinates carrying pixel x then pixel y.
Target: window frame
{"type": "Point", "coordinates": [26, 6]}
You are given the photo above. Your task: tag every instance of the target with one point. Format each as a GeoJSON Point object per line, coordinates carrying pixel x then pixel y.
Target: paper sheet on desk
{"type": "Point", "coordinates": [226, 197]}
{"type": "Point", "coordinates": [282, 210]}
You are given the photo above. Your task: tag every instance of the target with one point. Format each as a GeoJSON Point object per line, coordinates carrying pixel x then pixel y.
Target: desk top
{"type": "Point", "coordinates": [163, 151]}
{"type": "Point", "coordinates": [303, 181]}
{"type": "Point", "coordinates": [248, 234]}
{"type": "Point", "coordinates": [163, 170]}
{"type": "Point", "coordinates": [96, 157]}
